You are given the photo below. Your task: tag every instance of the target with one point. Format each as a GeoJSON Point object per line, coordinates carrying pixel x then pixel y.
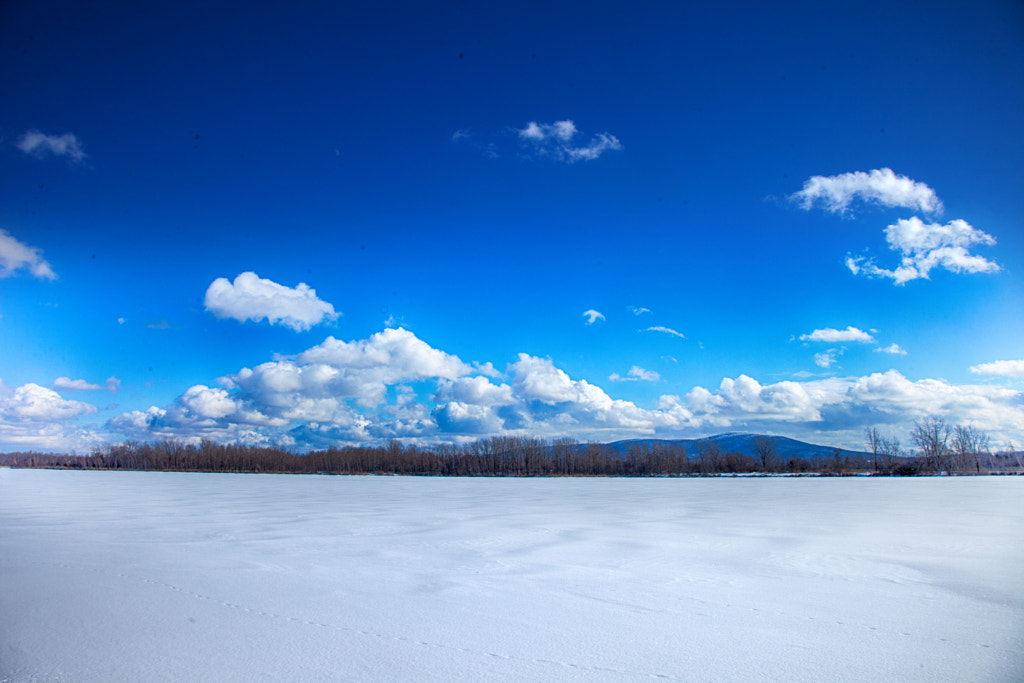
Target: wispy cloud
{"type": "Point", "coordinates": [15, 256]}
{"type": "Point", "coordinates": [832, 335]}
{"type": "Point", "coordinates": [592, 316]}
{"type": "Point", "coordinates": [555, 140]}
{"type": "Point", "coordinates": [926, 246]}
{"type": "Point", "coordinates": [893, 349]}
{"type": "Point", "coordinates": [664, 330]}
{"type": "Point", "coordinates": [639, 310]}
{"type": "Point", "coordinates": [825, 359]}
{"type": "Point", "coordinates": [467, 136]}
{"type": "Point", "coordinates": [251, 297]}
{"type": "Point", "coordinates": [67, 384]}
{"type": "Point", "coordinates": [636, 374]}
{"type": "Point", "coordinates": [1005, 368]}
{"type": "Point", "coordinates": [880, 186]}
{"type": "Point", "coordinates": [41, 145]}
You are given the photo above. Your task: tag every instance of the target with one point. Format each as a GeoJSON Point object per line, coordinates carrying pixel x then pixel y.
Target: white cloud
{"type": "Point", "coordinates": [880, 186]}
{"type": "Point", "coordinates": [251, 297]}
{"type": "Point", "coordinates": [14, 256]}
{"type": "Point", "coordinates": [592, 316]}
{"type": "Point", "coordinates": [487, 369]}
{"type": "Point", "coordinates": [825, 359]}
{"type": "Point", "coordinates": [41, 145]}
{"type": "Point", "coordinates": [837, 409]}
{"type": "Point", "coordinates": [208, 403]}
{"type": "Point", "coordinates": [664, 330]}
{"type": "Point", "coordinates": [335, 392]}
{"type": "Point", "coordinates": [31, 402]}
{"type": "Point", "coordinates": [387, 357]}
{"type": "Point", "coordinates": [68, 384]}
{"type": "Point", "coordinates": [537, 379]}
{"type": "Point", "coordinates": [636, 373]}
{"type": "Point", "coordinates": [832, 335]}
{"type": "Point", "coordinates": [555, 140]}
{"type": "Point", "coordinates": [38, 419]}
{"type": "Point", "coordinates": [893, 349]}
{"type": "Point", "coordinates": [554, 404]}
{"type": "Point", "coordinates": [474, 391]}
{"type": "Point", "coordinates": [462, 418]}
{"type": "Point", "coordinates": [363, 392]}
{"type": "Point", "coordinates": [926, 246]}
{"type": "Point", "coordinates": [1006, 368]}
{"type": "Point", "coordinates": [639, 310]}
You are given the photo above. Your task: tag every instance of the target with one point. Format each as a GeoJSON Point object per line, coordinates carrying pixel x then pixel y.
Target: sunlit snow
{"type": "Point", "coordinates": [129, 576]}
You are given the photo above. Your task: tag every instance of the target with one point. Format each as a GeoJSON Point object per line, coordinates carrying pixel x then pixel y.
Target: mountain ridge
{"type": "Point", "coordinates": [743, 443]}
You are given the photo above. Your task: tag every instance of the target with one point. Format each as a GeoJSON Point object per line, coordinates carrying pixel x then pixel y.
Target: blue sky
{"type": "Point", "coordinates": [325, 224]}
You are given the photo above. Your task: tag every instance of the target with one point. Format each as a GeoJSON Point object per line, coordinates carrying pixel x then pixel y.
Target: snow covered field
{"type": "Point", "coordinates": [130, 576]}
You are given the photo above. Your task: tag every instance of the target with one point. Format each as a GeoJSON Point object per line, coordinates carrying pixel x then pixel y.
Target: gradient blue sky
{"type": "Point", "coordinates": [598, 220]}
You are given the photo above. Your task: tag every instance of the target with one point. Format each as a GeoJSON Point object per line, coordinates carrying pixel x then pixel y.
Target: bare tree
{"type": "Point", "coordinates": [709, 455]}
{"type": "Point", "coordinates": [874, 440]}
{"type": "Point", "coordinates": [891, 450]}
{"type": "Point", "coordinates": [932, 437]}
{"type": "Point", "coordinates": [969, 444]}
{"type": "Point", "coordinates": [767, 452]}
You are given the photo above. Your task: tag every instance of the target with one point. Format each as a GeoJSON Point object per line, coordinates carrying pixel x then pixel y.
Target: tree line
{"type": "Point", "coordinates": [496, 456]}
{"type": "Point", "coordinates": [942, 449]}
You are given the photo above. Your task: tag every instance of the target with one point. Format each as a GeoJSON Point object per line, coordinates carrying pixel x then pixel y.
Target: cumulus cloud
{"type": "Point", "coordinates": [251, 297]}
{"type": "Point", "coordinates": [926, 246]}
{"type": "Point", "coordinates": [664, 330]}
{"type": "Point", "coordinates": [893, 349]}
{"type": "Point", "coordinates": [636, 373]}
{"type": "Point", "coordinates": [474, 391]}
{"type": "Point", "coordinates": [832, 335]}
{"type": "Point", "coordinates": [15, 256]}
{"type": "Point", "coordinates": [205, 402]}
{"type": "Point", "coordinates": [555, 140]}
{"type": "Point", "coordinates": [41, 145]}
{"type": "Point", "coordinates": [553, 403]}
{"type": "Point", "coordinates": [33, 403]}
{"type": "Point", "coordinates": [37, 418]}
{"type": "Point", "coordinates": [1005, 368]}
{"type": "Point", "coordinates": [333, 392]}
{"type": "Point", "coordinates": [592, 316]}
{"type": "Point", "coordinates": [371, 390]}
{"type": "Point", "coordinates": [880, 186]}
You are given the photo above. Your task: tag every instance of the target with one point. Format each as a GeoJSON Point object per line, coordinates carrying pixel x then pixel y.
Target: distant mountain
{"type": "Point", "coordinates": [736, 442]}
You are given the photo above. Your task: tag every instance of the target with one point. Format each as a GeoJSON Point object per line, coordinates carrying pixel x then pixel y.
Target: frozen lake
{"type": "Point", "coordinates": [131, 576]}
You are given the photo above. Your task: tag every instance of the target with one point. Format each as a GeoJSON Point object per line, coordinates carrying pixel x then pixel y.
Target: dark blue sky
{"type": "Point", "coordinates": [385, 157]}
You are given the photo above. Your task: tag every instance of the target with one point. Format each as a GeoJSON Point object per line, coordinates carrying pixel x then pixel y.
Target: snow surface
{"type": "Point", "coordinates": [132, 576]}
